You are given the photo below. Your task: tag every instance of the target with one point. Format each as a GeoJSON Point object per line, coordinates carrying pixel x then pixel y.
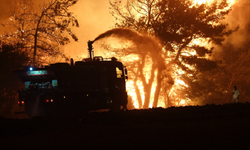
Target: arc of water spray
{"type": "Point", "coordinates": [130, 35]}
{"type": "Point", "coordinates": [120, 33]}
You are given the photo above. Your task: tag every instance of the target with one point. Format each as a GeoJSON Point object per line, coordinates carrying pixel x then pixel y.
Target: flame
{"type": "Point", "coordinates": [179, 84]}
{"type": "Point", "coordinates": [231, 2]}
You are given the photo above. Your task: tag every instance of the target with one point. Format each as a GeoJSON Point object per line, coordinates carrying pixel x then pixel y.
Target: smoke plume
{"type": "Point", "coordinates": [5, 6]}
{"type": "Point", "coordinates": [94, 18]}
{"type": "Point", "coordinates": [239, 16]}
{"type": "Point", "coordinates": [92, 15]}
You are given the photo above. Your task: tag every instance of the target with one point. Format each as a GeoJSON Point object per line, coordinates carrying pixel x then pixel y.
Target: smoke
{"type": "Point", "coordinates": [239, 16]}
{"type": "Point", "coordinates": [5, 6]}
{"type": "Point", "coordinates": [93, 16]}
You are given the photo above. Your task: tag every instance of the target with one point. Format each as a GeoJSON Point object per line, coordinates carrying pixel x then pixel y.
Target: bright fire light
{"type": "Point", "coordinates": [178, 84]}
{"type": "Point", "coordinates": [210, 1]}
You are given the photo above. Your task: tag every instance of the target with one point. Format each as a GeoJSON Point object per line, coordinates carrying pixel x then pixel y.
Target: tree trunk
{"type": "Point", "coordinates": [148, 86]}
{"type": "Point", "coordinates": [158, 88]}
{"type": "Point", "coordinates": [147, 92]}
{"type": "Point", "coordinates": [37, 27]}
{"type": "Point", "coordinates": [138, 94]}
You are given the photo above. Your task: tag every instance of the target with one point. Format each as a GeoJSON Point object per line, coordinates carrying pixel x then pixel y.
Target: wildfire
{"type": "Point", "coordinates": [179, 85]}
{"type": "Point", "coordinates": [231, 2]}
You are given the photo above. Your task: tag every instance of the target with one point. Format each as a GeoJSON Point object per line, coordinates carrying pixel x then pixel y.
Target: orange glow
{"type": "Point", "coordinates": [179, 84]}
{"type": "Point", "coordinates": [93, 25]}
{"type": "Point", "coordinates": [231, 2]}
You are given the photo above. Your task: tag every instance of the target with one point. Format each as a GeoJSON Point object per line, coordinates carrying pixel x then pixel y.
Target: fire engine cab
{"type": "Point", "coordinates": [72, 89]}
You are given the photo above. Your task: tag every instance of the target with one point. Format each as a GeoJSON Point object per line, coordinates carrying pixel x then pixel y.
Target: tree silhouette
{"type": "Point", "coordinates": [43, 30]}
{"type": "Point", "coordinates": [11, 58]}
{"type": "Point", "coordinates": [177, 24]}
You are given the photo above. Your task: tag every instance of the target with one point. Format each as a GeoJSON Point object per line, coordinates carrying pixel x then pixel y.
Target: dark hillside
{"type": "Point", "coordinates": [192, 127]}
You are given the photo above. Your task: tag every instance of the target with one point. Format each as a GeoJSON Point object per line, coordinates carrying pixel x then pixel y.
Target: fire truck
{"type": "Point", "coordinates": [74, 88]}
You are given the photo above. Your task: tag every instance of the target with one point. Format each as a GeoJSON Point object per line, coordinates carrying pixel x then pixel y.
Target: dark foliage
{"type": "Point", "coordinates": [10, 58]}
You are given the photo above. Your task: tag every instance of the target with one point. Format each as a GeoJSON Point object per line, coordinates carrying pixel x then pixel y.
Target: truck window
{"type": "Point", "coordinates": [118, 72]}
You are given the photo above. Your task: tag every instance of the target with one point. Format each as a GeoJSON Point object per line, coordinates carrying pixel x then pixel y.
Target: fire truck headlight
{"type": "Point", "coordinates": [31, 68]}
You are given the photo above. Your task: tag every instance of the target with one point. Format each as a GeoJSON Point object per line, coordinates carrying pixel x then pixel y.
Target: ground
{"type": "Point", "coordinates": [192, 127]}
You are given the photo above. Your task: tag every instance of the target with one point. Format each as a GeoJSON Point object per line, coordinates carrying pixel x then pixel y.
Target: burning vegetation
{"type": "Point", "coordinates": [41, 31]}
{"type": "Point", "coordinates": [170, 49]}
{"type": "Point", "coordinates": [167, 46]}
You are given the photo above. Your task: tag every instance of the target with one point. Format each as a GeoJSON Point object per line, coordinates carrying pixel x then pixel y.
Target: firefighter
{"type": "Point", "coordinates": [236, 95]}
